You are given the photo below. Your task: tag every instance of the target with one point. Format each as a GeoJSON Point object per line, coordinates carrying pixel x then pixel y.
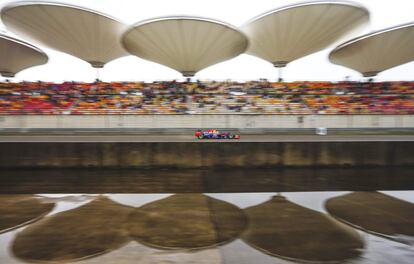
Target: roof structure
{"type": "Point", "coordinates": [17, 55]}
{"type": "Point", "coordinates": [378, 51]}
{"type": "Point", "coordinates": [289, 33]}
{"type": "Point", "coordinates": [89, 35]}
{"type": "Point", "coordinates": [185, 44]}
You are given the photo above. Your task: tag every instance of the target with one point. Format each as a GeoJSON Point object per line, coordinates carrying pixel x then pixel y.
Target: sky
{"type": "Point", "coordinates": [314, 67]}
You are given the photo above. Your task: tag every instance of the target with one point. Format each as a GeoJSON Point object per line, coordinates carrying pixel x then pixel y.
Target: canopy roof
{"type": "Point", "coordinates": [89, 35]}
{"type": "Point", "coordinates": [17, 55]}
{"type": "Point", "coordinates": [289, 33]}
{"type": "Point", "coordinates": [186, 44]}
{"type": "Point", "coordinates": [378, 51]}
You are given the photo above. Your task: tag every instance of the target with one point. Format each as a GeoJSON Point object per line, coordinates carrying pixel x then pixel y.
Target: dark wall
{"type": "Point", "coordinates": [206, 154]}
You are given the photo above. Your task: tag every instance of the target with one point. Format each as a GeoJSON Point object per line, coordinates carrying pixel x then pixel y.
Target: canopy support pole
{"type": "Point", "coordinates": [280, 65]}
{"type": "Point", "coordinates": [280, 74]}
{"type": "Point", "coordinates": [98, 71]}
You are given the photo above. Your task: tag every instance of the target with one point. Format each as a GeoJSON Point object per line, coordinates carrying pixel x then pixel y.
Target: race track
{"type": "Point", "coordinates": [191, 138]}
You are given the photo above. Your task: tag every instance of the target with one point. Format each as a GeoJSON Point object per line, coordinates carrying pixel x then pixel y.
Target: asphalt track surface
{"type": "Point", "coordinates": [191, 138]}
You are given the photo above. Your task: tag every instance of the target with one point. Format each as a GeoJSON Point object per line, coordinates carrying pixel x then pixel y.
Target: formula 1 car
{"type": "Point", "coordinates": [214, 134]}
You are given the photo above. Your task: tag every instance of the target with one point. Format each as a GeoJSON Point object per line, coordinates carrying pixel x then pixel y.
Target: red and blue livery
{"type": "Point", "coordinates": [214, 134]}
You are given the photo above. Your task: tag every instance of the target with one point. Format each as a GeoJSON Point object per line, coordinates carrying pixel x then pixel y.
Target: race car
{"type": "Point", "coordinates": [214, 134]}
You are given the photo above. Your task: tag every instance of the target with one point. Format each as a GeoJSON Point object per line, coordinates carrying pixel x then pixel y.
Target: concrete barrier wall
{"type": "Point", "coordinates": [206, 154]}
{"type": "Point", "coordinates": [206, 121]}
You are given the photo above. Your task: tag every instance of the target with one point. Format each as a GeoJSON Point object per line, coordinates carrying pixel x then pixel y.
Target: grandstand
{"type": "Point", "coordinates": [299, 98]}
{"type": "Point", "coordinates": [189, 44]}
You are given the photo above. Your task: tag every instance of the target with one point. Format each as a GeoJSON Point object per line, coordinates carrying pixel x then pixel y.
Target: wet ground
{"type": "Point", "coordinates": [207, 216]}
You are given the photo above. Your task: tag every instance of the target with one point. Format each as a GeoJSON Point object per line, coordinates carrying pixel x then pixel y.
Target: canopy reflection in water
{"type": "Point", "coordinates": [86, 231]}
{"type": "Point", "coordinates": [186, 221]}
{"type": "Point", "coordinates": [284, 229]}
{"type": "Point", "coordinates": [375, 212]}
{"type": "Point", "coordinates": [19, 210]}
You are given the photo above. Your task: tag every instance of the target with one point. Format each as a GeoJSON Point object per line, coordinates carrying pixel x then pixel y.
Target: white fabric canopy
{"type": "Point", "coordinates": [378, 51]}
{"type": "Point", "coordinates": [17, 55]}
{"type": "Point", "coordinates": [186, 44]}
{"type": "Point", "coordinates": [289, 33]}
{"type": "Point", "coordinates": [83, 33]}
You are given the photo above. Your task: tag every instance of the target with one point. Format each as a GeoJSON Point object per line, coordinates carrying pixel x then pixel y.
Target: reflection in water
{"type": "Point", "coordinates": [230, 223]}
{"type": "Point", "coordinates": [204, 181]}
{"type": "Point", "coordinates": [89, 230]}
{"type": "Point", "coordinates": [376, 212]}
{"type": "Point", "coordinates": [277, 228]}
{"type": "Point", "coordinates": [186, 221]}
{"type": "Point", "coordinates": [19, 210]}
{"type": "Point", "coordinates": [282, 228]}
